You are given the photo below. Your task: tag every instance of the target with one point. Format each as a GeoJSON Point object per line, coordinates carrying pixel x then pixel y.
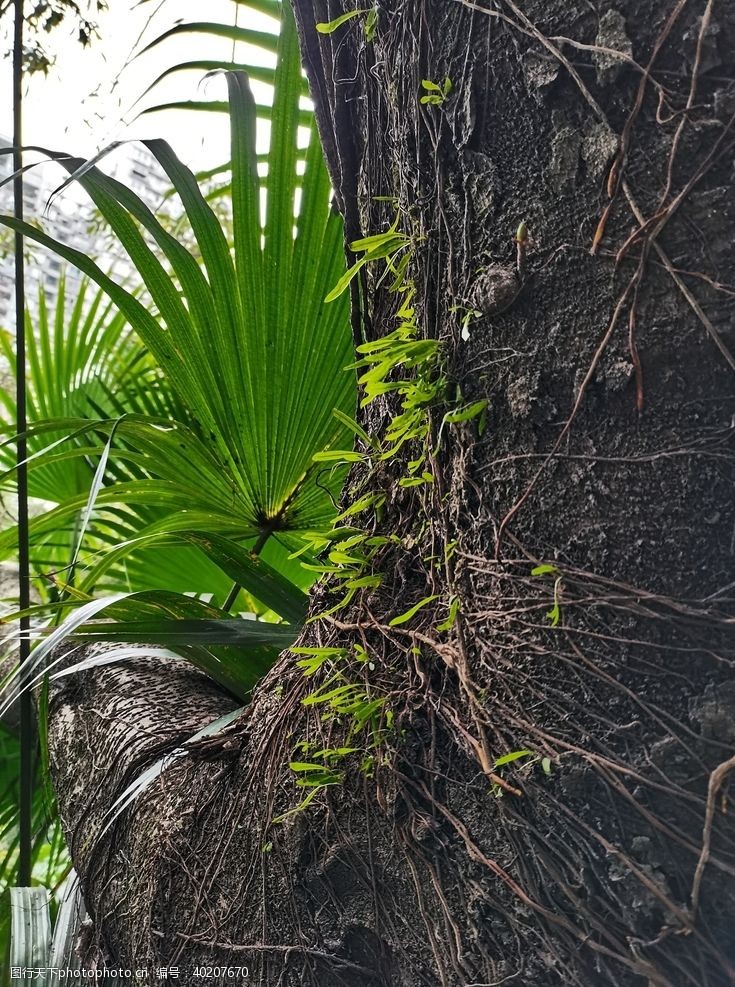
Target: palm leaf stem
{"type": "Point", "coordinates": [256, 550]}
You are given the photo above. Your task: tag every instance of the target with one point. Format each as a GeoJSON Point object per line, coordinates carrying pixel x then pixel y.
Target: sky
{"type": "Point", "coordinates": [87, 100]}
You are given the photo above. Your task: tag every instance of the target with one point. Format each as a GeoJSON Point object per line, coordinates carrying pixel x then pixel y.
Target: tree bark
{"type": "Point", "coordinates": [606, 855]}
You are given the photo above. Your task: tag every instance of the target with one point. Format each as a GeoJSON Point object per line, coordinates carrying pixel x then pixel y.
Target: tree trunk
{"type": "Point", "coordinates": [604, 854]}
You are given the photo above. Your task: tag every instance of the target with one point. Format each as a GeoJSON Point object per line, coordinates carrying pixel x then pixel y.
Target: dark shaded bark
{"type": "Point", "coordinates": [607, 453]}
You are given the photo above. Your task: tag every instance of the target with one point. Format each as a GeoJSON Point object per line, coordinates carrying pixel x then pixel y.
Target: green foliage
{"type": "Point", "coordinates": [455, 605]}
{"type": "Point", "coordinates": [403, 618]}
{"type": "Point", "coordinates": [380, 246]}
{"type": "Point", "coordinates": [83, 362]}
{"type": "Point", "coordinates": [348, 560]}
{"type": "Point", "coordinates": [421, 386]}
{"type": "Point", "coordinates": [467, 413]}
{"type": "Point", "coordinates": [410, 367]}
{"type": "Point", "coordinates": [371, 20]}
{"type": "Point", "coordinates": [356, 705]}
{"type": "Point", "coordinates": [49, 857]}
{"type": "Point", "coordinates": [554, 614]}
{"type": "Point", "coordinates": [529, 758]}
{"type": "Point", "coordinates": [435, 93]}
{"type": "Point", "coordinates": [544, 570]}
{"type": "Point", "coordinates": [234, 340]}
{"type": "Point", "coordinates": [174, 423]}
{"type": "Point", "coordinates": [265, 42]}
{"type": "Point", "coordinates": [468, 314]}
{"type": "Point", "coordinates": [44, 17]}
{"type": "Point", "coordinates": [512, 756]}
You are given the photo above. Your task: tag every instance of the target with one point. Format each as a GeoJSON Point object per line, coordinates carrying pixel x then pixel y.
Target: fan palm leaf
{"type": "Point", "coordinates": [234, 335]}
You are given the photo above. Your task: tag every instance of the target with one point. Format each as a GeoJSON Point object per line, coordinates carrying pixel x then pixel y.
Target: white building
{"type": "Point", "coordinates": [70, 218]}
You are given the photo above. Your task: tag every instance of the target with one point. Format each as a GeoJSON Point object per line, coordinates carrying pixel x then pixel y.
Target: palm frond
{"type": "Point", "coordinates": [235, 336]}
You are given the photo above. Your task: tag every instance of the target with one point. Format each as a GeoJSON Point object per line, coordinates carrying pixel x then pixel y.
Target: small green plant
{"type": "Point", "coordinates": [512, 756]}
{"type": "Point", "coordinates": [465, 413]}
{"type": "Point", "coordinates": [371, 21]}
{"type": "Point", "coordinates": [455, 605]}
{"type": "Point", "coordinates": [544, 570]}
{"type": "Point", "coordinates": [554, 614]}
{"type": "Point", "coordinates": [420, 384]}
{"type": "Point", "coordinates": [436, 93]}
{"type": "Point", "coordinates": [419, 390]}
{"type": "Point", "coordinates": [386, 246]}
{"type": "Point", "coordinates": [349, 560]}
{"type": "Point", "coordinates": [411, 368]}
{"type": "Point", "coordinates": [353, 704]}
{"type": "Point", "coordinates": [545, 762]}
{"type": "Point", "coordinates": [340, 697]}
{"type": "Point", "coordinates": [468, 314]}
{"type": "Point", "coordinates": [403, 618]}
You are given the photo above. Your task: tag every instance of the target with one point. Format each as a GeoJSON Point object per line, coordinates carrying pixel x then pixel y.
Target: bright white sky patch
{"type": "Point", "coordinates": [85, 101]}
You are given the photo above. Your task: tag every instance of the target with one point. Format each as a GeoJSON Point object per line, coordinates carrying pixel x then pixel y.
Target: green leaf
{"type": "Point", "coordinates": [257, 72]}
{"type": "Point", "coordinates": [327, 695]}
{"type": "Point", "coordinates": [513, 756]}
{"type": "Point", "coordinates": [253, 573]}
{"type": "Point", "coordinates": [259, 39]}
{"type": "Point", "coordinates": [259, 394]}
{"type": "Point", "coordinates": [95, 488]}
{"type": "Point", "coordinates": [467, 413]}
{"type": "Point", "coordinates": [408, 614]}
{"type": "Point", "coordinates": [364, 503]}
{"type": "Point", "coordinates": [343, 283]}
{"type": "Point", "coordinates": [319, 779]}
{"type": "Point", "coordinates": [553, 615]}
{"type": "Point", "coordinates": [235, 632]}
{"type": "Point", "coordinates": [324, 652]}
{"type": "Point", "coordinates": [544, 569]}
{"type": "Point", "coordinates": [377, 247]}
{"type": "Point", "coordinates": [336, 779]}
{"type": "Point", "coordinates": [371, 24]}
{"type": "Point", "coordinates": [338, 455]}
{"type": "Point", "coordinates": [352, 425]}
{"type": "Point", "coordinates": [79, 356]}
{"type": "Point", "coordinates": [454, 608]}
{"type": "Point", "coordinates": [330, 26]}
{"type": "Point", "coordinates": [318, 656]}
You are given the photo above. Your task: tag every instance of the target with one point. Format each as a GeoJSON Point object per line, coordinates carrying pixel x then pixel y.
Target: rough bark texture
{"type": "Point", "coordinates": [607, 453]}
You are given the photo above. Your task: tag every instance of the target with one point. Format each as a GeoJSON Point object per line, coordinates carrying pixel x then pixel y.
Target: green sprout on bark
{"type": "Point", "coordinates": [436, 93]}
{"type": "Point", "coordinates": [371, 21]}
